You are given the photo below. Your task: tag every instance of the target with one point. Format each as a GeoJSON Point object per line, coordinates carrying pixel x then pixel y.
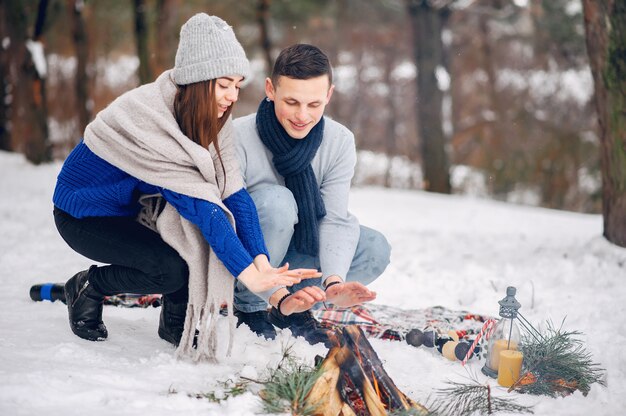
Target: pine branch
{"type": "Point", "coordinates": [557, 365]}
{"type": "Point", "coordinates": [287, 390]}
{"type": "Point", "coordinates": [411, 412]}
{"type": "Point", "coordinates": [230, 389]}
{"type": "Point", "coordinates": [471, 398]}
{"type": "Point", "coordinates": [288, 385]}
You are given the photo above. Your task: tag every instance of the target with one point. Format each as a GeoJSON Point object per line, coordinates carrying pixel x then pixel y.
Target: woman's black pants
{"type": "Point", "coordinates": [139, 260]}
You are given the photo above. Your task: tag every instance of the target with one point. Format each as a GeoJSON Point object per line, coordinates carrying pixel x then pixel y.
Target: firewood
{"type": "Point", "coordinates": [354, 382]}
{"type": "Point", "coordinates": [324, 395]}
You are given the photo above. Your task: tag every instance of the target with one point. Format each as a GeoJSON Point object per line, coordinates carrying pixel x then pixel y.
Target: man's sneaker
{"type": "Point", "coordinates": [301, 324]}
{"type": "Point", "coordinates": [257, 322]}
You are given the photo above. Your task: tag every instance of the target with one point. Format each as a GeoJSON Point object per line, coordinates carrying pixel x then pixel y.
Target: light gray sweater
{"type": "Point", "coordinates": [333, 166]}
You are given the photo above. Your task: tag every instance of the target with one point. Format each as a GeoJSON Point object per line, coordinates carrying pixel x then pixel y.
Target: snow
{"type": "Point", "coordinates": [456, 251]}
{"type": "Point", "coordinates": [572, 84]}
{"type": "Point", "coordinates": [119, 72]}
{"type": "Point", "coordinates": [371, 169]}
{"type": "Point", "coordinates": [443, 78]}
{"type": "Point", "coordinates": [405, 70]}
{"type": "Point", "coordinates": [113, 72]}
{"type": "Point", "coordinates": [574, 8]}
{"type": "Point", "coordinates": [39, 58]}
{"type": "Point", "coordinates": [345, 78]}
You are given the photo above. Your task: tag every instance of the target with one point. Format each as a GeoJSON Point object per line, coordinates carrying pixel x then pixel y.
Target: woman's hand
{"type": "Point", "coordinates": [260, 281]}
{"type": "Point", "coordinates": [262, 263]}
{"type": "Point", "coordinates": [302, 300]}
{"type": "Point", "coordinates": [346, 294]}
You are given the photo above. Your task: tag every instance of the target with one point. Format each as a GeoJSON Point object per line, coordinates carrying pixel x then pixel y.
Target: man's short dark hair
{"type": "Point", "coordinates": [302, 61]}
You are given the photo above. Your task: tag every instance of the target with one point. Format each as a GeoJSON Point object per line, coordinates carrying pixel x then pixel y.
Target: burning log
{"type": "Point", "coordinates": [353, 381]}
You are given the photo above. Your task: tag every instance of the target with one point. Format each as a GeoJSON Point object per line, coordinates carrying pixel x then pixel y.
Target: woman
{"type": "Point", "coordinates": [154, 190]}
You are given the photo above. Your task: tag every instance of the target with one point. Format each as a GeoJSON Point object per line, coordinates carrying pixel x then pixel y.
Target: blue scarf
{"type": "Point", "coordinates": [292, 159]}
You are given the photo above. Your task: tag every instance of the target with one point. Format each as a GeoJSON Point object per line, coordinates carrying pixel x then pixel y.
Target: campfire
{"type": "Point", "coordinates": [354, 382]}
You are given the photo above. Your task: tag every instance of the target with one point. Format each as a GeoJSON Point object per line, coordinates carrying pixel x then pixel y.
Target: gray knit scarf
{"type": "Point", "coordinates": [139, 134]}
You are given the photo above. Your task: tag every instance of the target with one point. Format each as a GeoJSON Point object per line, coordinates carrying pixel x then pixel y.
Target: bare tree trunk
{"type": "Point", "coordinates": [336, 104]}
{"type": "Point", "coordinates": [494, 132]}
{"type": "Point", "coordinates": [605, 23]}
{"type": "Point", "coordinates": [166, 34]}
{"type": "Point", "coordinates": [141, 37]}
{"type": "Point", "coordinates": [392, 115]}
{"type": "Point", "coordinates": [427, 26]}
{"type": "Point", "coordinates": [263, 17]}
{"type": "Point", "coordinates": [5, 83]}
{"type": "Point", "coordinates": [79, 35]}
{"type": "Point", "coordinates": [539, 36]}
{"type": "Point", "coordinates": [29, 121]}
{"type": "Point", "coordinates": [358, 114]}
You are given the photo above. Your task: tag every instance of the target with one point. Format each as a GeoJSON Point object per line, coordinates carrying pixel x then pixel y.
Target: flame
{"type": "Point", "coordinates": [351, 385]}
{"type": "Point", "coordinates": [376, 386]}
{"type": "Point", "coordinates": [357, 352]}
{"type": "Point", "coordinates": [378, 393]}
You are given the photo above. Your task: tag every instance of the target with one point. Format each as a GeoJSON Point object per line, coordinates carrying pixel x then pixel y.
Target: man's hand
{"type": "Point", "coordinates": [302, 300]}
{"type": "Point", "coordinates": [349, 294]}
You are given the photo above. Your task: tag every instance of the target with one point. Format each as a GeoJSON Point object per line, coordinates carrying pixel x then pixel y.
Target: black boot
{"type": "Point", "coordinates": [172, 321]}
{"type": "Point", "coordinates": [301, 324]}
{"type": "Point", "coordinates": [257, 322]}
{"type": "Point", "coordinates": [84, 306]}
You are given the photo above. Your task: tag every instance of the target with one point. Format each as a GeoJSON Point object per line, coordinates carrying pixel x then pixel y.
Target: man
{"type": "Point", "coordinates": [297, 166]}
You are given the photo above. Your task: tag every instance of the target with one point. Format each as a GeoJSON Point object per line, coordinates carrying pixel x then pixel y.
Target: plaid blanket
{"type": "Point", "coordinates": [386, 322]}
{"type": "Point", "coordinates": [130, 300]}
{"type": "Point", "coordinates": [377, 321]}
{"type": "Point", "coordinates": [443, 325]}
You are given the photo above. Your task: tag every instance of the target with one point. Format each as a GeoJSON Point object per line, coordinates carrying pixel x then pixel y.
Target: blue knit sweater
{"type": "Point", "coordinates": [89, 186]}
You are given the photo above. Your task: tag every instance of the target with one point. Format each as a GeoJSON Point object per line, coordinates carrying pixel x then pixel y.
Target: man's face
{"type": "Point", "coordinates": [299, 103]}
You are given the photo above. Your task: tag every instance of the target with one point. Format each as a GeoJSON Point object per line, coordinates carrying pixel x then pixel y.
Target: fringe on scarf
{"type": "Point", "coordinates": [204, 320]}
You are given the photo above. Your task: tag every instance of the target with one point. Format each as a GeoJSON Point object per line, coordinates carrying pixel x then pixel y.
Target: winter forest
{"type": "Point", "coordinates": [502, 102]}
{"type": "Point", "coordinates": [491, 151]}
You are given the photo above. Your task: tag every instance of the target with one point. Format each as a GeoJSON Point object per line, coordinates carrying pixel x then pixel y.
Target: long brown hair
{"type": "Point", "coordinates": [196, 112]}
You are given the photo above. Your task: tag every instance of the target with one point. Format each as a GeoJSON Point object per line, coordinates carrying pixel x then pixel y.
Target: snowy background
{"type": "Point", "coordinates": [459, 252]}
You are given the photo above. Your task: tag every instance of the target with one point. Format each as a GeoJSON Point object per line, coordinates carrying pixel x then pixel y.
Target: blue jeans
{"type": "Point", "coordinates": [278, 214]}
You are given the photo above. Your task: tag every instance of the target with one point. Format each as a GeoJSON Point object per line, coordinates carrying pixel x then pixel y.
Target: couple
{"type": "Point", "coordinates": [178, 199]}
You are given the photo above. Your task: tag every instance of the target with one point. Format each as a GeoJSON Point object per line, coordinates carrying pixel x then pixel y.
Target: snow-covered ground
{"type": "Point", "coordinates": [458, 252]}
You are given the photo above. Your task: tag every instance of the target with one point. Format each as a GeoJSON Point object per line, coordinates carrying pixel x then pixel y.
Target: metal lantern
{"type": "Point", "coordinates": [506, 335]}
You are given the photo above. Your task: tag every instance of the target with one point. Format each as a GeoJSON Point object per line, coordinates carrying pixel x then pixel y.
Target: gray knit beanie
{"type": "Point", "coordinates": [208, 49]}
